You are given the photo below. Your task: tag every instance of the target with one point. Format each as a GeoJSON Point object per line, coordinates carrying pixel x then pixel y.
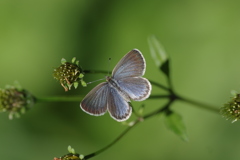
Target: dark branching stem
{"type": "Point", "coordinates": [161, 110]}
{"type": "Point", "coordinates": [113, 142]}
{"type": "Point", "coordinates": [134, 123]}
{"type": "Point", "coordinates": [159, 85]}
{"type": "Point", "coordinates": [172, 96]}
{"type": "Point", "coordinates": [199, 104]}
{"type": "Point", "coordinates": [96, 71]}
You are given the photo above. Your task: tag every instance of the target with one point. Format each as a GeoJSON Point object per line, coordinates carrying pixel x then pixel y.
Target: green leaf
{"type": "Point", "coordinates": [81, 75]}
{"type": "Point", "coordinates": [73, 59]}
{"type": "Point", "coordinates": [84, 84]}
{"type": "Point", "coordinates": [81, 156]}
{"type": "Point", "coordinates": [159, 55]}
{"type": "Point", "coordinates": [165, 68]}
{"type": "Point", "coordinates": [75, 84]}
{"type": "Point", "coordinates": [174, 122]}
{"type": "Point", "coordinates": [71, 150]}
{"type": "Point", "coordinates": [233, 92]}
{"type": "Point", "coordinates": [69, 86]}
{"type": "Point", "coordinates": [17, 85]}
{"type": "Point", "coordinates": [22, 110]}
{"type": "Point", "coordinates": [77, 63]}
{"type": "Point", "coordinates": [157, 50]}
{"type": "Point", "coordinates": [63, 61]}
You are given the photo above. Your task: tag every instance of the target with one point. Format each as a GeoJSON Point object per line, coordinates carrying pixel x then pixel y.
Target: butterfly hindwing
{"type": "Point", "coordinates": [118, 107]}
{"type": "Point", "coordinates": [137, 88]}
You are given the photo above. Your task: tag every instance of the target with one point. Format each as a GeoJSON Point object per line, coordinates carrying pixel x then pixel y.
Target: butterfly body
{"type": "Point", "coordinates": [125, 84]}
{"type": "Point", "coordinates": [114, 85]}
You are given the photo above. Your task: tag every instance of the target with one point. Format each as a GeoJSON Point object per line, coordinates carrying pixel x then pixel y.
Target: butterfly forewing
{"type": "Point", "coordinates": [118, 107]}
{"type": "Point", "coordinates": [131, 65]}
{"type": "Point", "coordinates": [95, 102]}
{"type": "Point", "coordinates": [138, 88]}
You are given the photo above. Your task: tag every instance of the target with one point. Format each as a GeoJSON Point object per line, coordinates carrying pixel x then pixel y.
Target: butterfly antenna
{"type": "Point", "coordinates": [109, 60]}
{"type": "Point", "coordinates": [96, 80]}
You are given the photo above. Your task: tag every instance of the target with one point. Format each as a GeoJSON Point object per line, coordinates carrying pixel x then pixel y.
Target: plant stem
{"type": "Point", "coordinates": [96, 71]}
{"type": "Point", "coordinates": [113, 142]}
{"type": "Point", "coordinates": [158, 96]}
{"type": "Point", "coordinates": [59, 99]}
{"type": "Point", "coordinates": [200, 105]}
{"type": "Point", "coordinates": [159, 85]}
{"type": "Point", "coordinates": [166, 107]}
{"type": "Point", "coordinates": [159, 110]}
{"type": "Point", "coordinates": [80, 97]}
{"type": "Point", "coordinates": [127, 130]}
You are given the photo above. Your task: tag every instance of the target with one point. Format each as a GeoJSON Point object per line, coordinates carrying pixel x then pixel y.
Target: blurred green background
{"type": "Point", "coordinates": [201, 37]}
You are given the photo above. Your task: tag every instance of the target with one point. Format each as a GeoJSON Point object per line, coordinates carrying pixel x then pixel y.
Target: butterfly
{"type": "Point", "coordinates": [125, 84]}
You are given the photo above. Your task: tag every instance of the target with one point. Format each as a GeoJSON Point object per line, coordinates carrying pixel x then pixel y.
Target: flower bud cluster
{"type": "Point", "coordinates": [15, 101]}
{"type": "Point", "coordinates": [69, 74]}
{"type": "Point", "coordinates": [231, 110]}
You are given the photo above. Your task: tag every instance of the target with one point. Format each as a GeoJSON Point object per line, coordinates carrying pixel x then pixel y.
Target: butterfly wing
{"type": "Point", "coordinates": [127, 75]}
{"type": "Point", "coordinates": [95, 102]}
{"type": "Point", "coordinates": [131, 65]}
{"type": "Point", "coordinates": [118, 107]}
{"type": "Point", "coordinates": [137, 88]}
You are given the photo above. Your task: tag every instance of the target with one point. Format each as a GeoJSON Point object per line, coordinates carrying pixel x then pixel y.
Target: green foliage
{"type": "Point", "coordinates": [159, 55]}
{"type": "Point", "coordinates": [174, 122]}
{"type": "Point", "coordinates": [63, 60]}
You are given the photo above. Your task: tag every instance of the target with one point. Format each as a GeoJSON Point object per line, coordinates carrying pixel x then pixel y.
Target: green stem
{"type": "Point", "coordinates": [80, 97]}
{"type": "Point", "coordinates": [59, 99]}
{"type": "Point", "coordinates": [200, 105]}
{"type": "Point", "coordinates": [166, 107]}
{"type": "Point", "coordinates": [113, 142]}
{"type": "Point", "coordinates": [158, 96]}
{"type": "Point", "coordinates": [159, 85]}
{"type": "Point", "coordinates": [96, 71]}
{"type": "Point", "coordinates": [127, 130]}
{"type": "Point", "coordinates": [163, 109]}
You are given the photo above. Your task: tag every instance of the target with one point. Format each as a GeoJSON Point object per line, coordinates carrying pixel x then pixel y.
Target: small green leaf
{"type": "Point", "coordinates": [157, 50]}
{"type": "Point", "coordinates": [81, 75]}
{"type": "Point", "coordinates": [174, 122]}
{"type": "Point", "coordinates": [63, 61]}
{"type": "Point", "coordinates": [84, 84]}
{"type": "Point", "coordinates": [17, 115]}
{"type": "Point", "coordinates": [233, 92]}
{"type": "Point", "coordinates": [165, 68]}
{"type": "Point", "coordinates": [74, 59]}
{"type": "Point", "coordinates": [77, 62]}
{"type": "Point", "coordinates": [71, 150]}
{"type": "Point", "coordinates": [159, 55]}
{"type": "Point", "coordinates": [23, 110]}
{"type": "Point", "coordinates": [75, 84]}
{"type": "Point", "coordinates": [69, 86]}
{"type": "Point", "coordinates": [81, 156]}
{"type": "Point", "coordinates": [17, 85]}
